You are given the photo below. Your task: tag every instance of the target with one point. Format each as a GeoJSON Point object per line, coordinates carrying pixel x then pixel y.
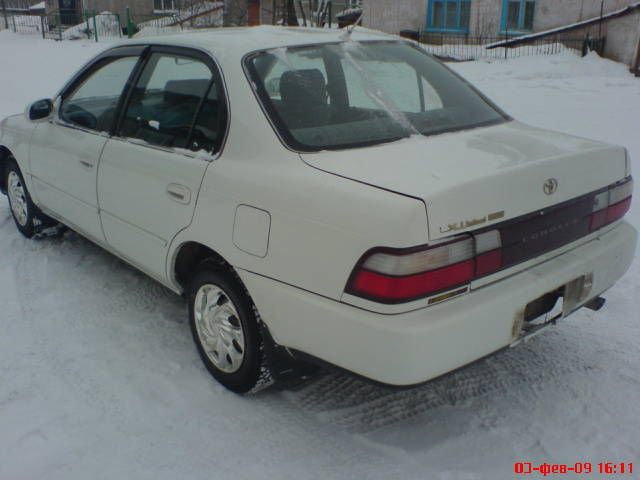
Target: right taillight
{"type": "Point", "coordinates": [611, 204]}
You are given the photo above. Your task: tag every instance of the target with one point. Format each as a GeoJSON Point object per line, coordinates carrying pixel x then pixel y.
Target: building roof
{"type": "Point", "coordinates": [631, 8]}
{"type": "Point", "coordinates": [240, 41]}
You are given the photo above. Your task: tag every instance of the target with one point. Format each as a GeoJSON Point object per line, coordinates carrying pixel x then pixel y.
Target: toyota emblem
{"type": "Point", "coordinates": [550, 186]}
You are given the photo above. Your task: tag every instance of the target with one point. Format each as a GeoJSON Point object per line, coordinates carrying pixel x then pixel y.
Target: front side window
{"type": "Point", "coordinates": [93, 102]}
{"type": "Point", "coordinates": [351, 94]}
{"type": "Point", "coordinates": [448, 16]}
{"type": "Point", "coordinates": [517, 15]}
{"type": "Point", "coordinates": [176, 103]}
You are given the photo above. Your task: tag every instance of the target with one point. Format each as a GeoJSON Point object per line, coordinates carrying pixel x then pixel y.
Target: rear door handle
{"type": "Point", "coordinates": [86, 163]}
{"type": "Point", "coordinates": [179, 193]}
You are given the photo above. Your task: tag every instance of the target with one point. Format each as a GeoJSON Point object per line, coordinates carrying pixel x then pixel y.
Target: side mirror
{"type": "Point", "coordinates": [40, 109]}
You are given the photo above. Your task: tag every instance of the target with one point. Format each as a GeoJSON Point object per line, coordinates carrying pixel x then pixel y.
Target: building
{"type": "Point", "coordinates": [301, 11]}
{"type": "Point", "coordinates": [71, 12]}
{"type": "Point", "coordinates": [504, 18]}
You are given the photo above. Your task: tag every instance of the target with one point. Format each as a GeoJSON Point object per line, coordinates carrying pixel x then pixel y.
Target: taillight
{"type": "Point", "coordinates": [397, 276]}
{"type": "Point", "coordinates": [611, 204]}
{"type": "Point", "coordinates": [488, 252]}
{"type": "Point", "coordinates": [439, 271]}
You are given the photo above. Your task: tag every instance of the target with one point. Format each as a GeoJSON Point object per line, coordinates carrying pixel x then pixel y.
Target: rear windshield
{"type": "Point", "coordinates": [350, 94]}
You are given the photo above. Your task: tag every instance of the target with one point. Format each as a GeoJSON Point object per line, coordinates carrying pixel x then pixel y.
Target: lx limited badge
{"type": "Point", "coordinates": [452, 227]}
{"type": "Point", "coordinates": [550, 186]}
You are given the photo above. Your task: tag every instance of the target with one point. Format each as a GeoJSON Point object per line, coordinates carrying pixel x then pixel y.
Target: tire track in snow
{"type": "Point", "coordinates": [361, 407]}
{"type": "Point", "coordinates": [99, 288]}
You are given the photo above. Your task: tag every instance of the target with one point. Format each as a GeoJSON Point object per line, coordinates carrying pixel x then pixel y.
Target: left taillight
{"type": "Point", "coordinates": [398, 276]}
{"type": "Point", "coordinates": [611, 204]}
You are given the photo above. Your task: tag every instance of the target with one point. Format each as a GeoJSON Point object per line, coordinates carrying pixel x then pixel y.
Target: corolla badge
{"type": "Point", "coordinates": [550, 186]}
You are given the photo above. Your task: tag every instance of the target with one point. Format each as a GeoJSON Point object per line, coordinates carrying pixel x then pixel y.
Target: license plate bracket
{"type": "Point", "coordinates": [576, 293]}
{"type": "Point", "coordinates": [545, 311]}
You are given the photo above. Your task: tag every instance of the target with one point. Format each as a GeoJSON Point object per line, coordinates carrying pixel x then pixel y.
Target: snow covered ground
{"type": "Point", "coordinates": [99, 378]}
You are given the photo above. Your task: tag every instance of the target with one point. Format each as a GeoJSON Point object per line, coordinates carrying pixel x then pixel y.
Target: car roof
{"type": "Point", "coordinates": [242, 40]}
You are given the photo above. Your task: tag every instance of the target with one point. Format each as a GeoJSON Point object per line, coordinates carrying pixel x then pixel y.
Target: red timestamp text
{"type": "Point", "coordinates": [578, 468]}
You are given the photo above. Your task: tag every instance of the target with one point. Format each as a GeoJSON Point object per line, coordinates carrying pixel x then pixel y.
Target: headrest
{"type": "Point", "coordinates": [303, 88]}
{"type": "Point", "coordinates": [175, 90]}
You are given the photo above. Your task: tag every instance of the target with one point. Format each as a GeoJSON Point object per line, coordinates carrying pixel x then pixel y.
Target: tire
{"type": "Point", "coordinates": [225, 329]}
{"type": "Point", "coordinates": [32, 221]}
{"type": "Point", "coordinates": [26, 215]}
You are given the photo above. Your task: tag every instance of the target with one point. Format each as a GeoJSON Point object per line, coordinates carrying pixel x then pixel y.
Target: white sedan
{"type": "Point", "coordinates": [321, 197]}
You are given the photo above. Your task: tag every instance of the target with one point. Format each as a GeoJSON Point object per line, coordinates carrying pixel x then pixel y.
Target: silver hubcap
{"type": "Point", "coordinates": [219, 328]}
{"type": "Point", "coordinates": [17, 198]}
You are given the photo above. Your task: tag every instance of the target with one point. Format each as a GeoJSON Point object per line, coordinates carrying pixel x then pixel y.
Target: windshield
{"type": "Point", "coordinates": [342, 95]}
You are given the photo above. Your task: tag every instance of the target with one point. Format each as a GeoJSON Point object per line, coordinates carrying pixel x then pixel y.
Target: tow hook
{"type": "Point", "coordinates": [595, 304]}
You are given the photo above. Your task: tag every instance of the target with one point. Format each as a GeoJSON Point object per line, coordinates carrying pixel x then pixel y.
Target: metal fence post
{"type": "Point", "coordinates": [304, 16]}
{"type": "Point", "coordinates": [129, 23]}
{"type": "Point", "coordinates": [42, 25]}
{"type": "Point", "coordinates": [506, 37]}
{"type": "Point", "coordinates": [95, 27]}
{"type": "Point", "coordinates": [4, 13]}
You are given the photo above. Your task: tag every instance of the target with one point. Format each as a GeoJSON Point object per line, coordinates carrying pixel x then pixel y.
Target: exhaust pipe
{"type": "Point", "coordinates": [595, 304]}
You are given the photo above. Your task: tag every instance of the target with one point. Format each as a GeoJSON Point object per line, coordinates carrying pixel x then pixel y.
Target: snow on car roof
{"type": "Point", "coordinates": [242, 40]}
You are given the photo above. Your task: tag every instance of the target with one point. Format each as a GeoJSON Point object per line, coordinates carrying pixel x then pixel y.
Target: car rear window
{"type": "Point", "coordinates": [350, 94]}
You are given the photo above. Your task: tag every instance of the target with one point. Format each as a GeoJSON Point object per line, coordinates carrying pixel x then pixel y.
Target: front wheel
{"type": "Point", "coordinates": [28, 218]}
{"type": "Point", "coordinates": [225, 330]}
{"type": "Point", "coordinates": [22, 208]}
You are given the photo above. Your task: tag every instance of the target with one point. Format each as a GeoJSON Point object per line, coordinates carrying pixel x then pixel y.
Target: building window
{"type": "Point", "coordinates": [165, 6]}
{"type": "Point", "coordinates": [448, 16]}
{"type": "Point", "coordinates": [517, 15]}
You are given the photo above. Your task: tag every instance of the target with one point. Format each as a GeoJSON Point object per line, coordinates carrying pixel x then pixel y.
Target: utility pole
{"type": "Point", "coordinates": [4, 13]}
{"type": "Point", "coordinates": [601, 15]}
{"type": "Point", "coordinates": [636, 65]}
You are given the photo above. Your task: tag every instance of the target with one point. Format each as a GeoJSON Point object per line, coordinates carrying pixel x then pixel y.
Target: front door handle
{"type": "Point", "coordinates": [179, 193]}
{"type": "Point", "coordinates": [86, 163]}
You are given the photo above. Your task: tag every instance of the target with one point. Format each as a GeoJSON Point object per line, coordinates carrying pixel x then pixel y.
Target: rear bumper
{"type": "Point", "coordinates": [414, 347]}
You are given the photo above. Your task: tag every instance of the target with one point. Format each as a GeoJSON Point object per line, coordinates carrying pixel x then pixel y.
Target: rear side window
{"type": "Point", "coordinates": [93, 102]}
{"type": "Point", "coordinates": [176, 103]}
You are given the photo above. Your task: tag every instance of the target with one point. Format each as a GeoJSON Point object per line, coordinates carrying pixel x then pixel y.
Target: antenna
{"type": "Point", "coordinates": [348, 30]}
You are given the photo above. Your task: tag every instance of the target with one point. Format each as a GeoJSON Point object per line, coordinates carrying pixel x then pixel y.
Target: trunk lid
{"type": "Point", "coordinates": [476, 178]}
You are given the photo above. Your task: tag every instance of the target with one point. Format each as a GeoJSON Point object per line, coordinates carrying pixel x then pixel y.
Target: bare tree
{"type": "Point", "coordinates": [292, 17]}
{"type": "Point", "coordinates": [235, 13]}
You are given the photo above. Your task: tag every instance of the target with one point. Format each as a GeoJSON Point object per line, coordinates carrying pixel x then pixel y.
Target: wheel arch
{"type": "Point", "coordinates": [187, 256]}
{"type": "Point", "coordinates": [5, 154]}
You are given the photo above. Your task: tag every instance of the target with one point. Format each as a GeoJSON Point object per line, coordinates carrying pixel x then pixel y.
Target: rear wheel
{"type": "Point", "coordinates": [225, 329]}
{"type": "Point", "coordinates": [28, 218]}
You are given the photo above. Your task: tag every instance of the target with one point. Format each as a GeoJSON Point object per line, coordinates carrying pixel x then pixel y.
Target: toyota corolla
{"type": "Point", "coordinates": [321, 197]}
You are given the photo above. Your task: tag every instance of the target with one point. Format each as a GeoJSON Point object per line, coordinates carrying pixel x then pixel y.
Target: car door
{"type": "Point", "coordinates": [64, 152]}
{"type": "Point", "coordinates": [173, 123]}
